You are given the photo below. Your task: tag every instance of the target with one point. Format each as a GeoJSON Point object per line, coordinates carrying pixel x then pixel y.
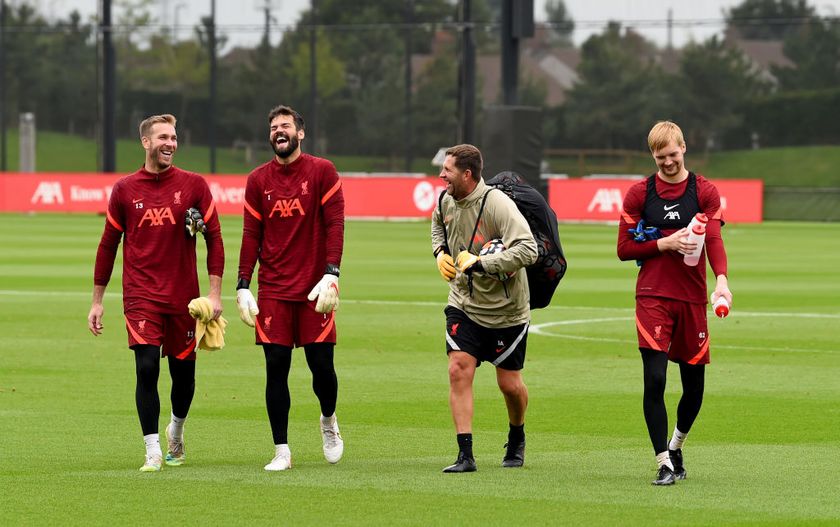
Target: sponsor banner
{"type": "Point", "coordinates": [601, 199]}
{"type": "Point", "coordinates": [384, 196]}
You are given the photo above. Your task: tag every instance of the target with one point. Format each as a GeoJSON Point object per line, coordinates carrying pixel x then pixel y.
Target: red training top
{"type": "Point", "coordinates": [294, 224]}
{"type": "Point", "coordinates": [664, 274]}
{"type": "Point", "coordinates": [159, 262]}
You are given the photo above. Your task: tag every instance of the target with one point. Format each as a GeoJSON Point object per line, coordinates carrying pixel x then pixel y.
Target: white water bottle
{"type": "Point", "coordinates": [696, 235]}
{"type": "Point", "coordinates": [697, 219]}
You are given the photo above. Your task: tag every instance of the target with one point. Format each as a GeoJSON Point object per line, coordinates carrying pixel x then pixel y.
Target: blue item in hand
{"type": "Point", "coordinates": [643, 234]}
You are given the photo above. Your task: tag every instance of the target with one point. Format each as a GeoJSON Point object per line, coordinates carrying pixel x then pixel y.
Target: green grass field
{"type": "Point", "coordinates": [763, 451]}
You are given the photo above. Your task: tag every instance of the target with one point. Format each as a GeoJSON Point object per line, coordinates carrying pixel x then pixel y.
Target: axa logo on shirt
{"type": "Point", "coordinates": [672, 215]}
{"type": "Point", "coordinates": [287, 207]}
{"type": "Point", "coordinates": [155, 217]}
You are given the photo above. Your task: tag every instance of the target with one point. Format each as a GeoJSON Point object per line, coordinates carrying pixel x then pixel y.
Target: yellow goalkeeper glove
{"type": "Point", "coordinates": [467, 262]}
{"type": "Point", "coordinates": [445, 265]}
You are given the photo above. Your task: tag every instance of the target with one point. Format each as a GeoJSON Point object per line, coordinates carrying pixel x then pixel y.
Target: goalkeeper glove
{"type": "Point", "coordinates": [467, 262]}
{"type": "Point", "coordinates": [445, 265]}
{"type": "Point", "coordinates": [326, 291]}
{"type": "Point", "coordinates": [247, 306]}
{"type": "Point", "coordinates": [194, 221]}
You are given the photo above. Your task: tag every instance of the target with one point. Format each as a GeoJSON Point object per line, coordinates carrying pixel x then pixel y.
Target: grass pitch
{"type": "Point", "coordinates": [763, 451]}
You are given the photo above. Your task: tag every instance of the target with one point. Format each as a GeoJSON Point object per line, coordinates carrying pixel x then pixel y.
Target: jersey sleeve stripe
{"type": "Point", "coordinates": [330, 192]}
{"type": "Point", "coordinates": [719, 214]}
{"type": "Point", "coordinates": [327, 329]}
{"type": "Point", "coordinates": [627, 217]}
{"type": "Point", "coordinates": [253, 211]}
{"type": "Point", "coordinates": [644, 333]}
{"type": "Point", "coordinates": [134, 334]}
{"type": "Point", "coordinates": [114, 222]}
{"type": "Point", "coordinates": [210, 211]}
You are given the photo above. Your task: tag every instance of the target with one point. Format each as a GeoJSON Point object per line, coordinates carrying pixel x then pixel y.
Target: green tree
{"type": "Point", "coordinates": [815, 51]}
{"type": "Point", "coordinates": [715, 82]}
{"type": "Point", "coordinates": [562, 25]}
{"type": "Point", "coordinates": [768, 19]}
{"type": "Point", "coordinates": [621, 91]}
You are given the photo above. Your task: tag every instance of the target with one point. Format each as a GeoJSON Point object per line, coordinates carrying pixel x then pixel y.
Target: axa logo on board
{"type": "Point", "coordinates": [52, 193]}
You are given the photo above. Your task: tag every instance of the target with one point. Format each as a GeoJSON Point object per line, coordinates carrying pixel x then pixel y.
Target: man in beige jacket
{"type": "Point", "coordinates": [487, 313]}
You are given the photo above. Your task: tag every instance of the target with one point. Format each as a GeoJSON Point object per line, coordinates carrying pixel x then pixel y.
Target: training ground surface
{"type": "Point", "coordinates": [764, 450]}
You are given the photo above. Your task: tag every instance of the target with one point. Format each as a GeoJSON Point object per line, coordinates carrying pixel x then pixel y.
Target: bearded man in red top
{"type": "Point", "coordinates": [156, 212]}
{"type": "Point", "coordinates": [294, 227]}
{"type": "Point", "coordinates": [671, 295]}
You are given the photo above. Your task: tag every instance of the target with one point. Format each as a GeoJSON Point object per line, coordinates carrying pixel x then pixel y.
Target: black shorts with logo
{"type": "Point", "coordinates": [503, 347]}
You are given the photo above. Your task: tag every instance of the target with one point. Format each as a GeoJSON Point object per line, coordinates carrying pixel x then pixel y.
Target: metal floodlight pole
{"type": "Point", "coordinates": [313, 82]}
{"type": "Point", "coordinates": [468, 72]}
{"type": "Point", "coordinates": [109, 82]}
{"type": "Point", "coordinates": [211, 42]}
{"type": "Point", "coordinates": [408, 85]}
{"type": "Point", "coordinates": [3, 165]}
{"type": "Point", "coordinates": [510, 55]}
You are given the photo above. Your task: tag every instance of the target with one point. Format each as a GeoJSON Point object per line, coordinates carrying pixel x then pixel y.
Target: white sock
{"type": "Point", "coordinates": [177, 427]}
{"type": "Point", "coordinates": [153, 445]}
{"type": "Point", "coordinates": [677, 440]}
{"type": "Point", "coordinates": [279, 449]}
{"type": "Point", "coordinates": [664, 458]}
{"type": "Point", "coordinates": [328, 421]}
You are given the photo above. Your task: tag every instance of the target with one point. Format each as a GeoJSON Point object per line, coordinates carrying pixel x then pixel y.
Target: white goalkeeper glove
{"type": "Point", "coordinates": [247, 306]}
{"type": "Point", "coordinates": [326, 291]}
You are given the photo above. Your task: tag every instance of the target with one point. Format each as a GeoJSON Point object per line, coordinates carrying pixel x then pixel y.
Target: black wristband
{"type": "Point", "coordinates": [332, 269]}
{"type": "Point", "coordinates": [438, 251]}
{"type": "Point", "coordinates": [242, 284]}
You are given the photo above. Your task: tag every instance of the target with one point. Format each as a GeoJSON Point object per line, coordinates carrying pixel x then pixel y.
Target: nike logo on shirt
{"type": "Point", "coordinates": [666, 207]}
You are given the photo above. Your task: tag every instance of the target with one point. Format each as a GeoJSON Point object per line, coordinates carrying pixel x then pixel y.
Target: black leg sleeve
{"type": "Point", "coordinates": [183, 385]}
{"type": "Point", "coordinates": [693, 382]}
{"type": "Point", "coordinates": [278, 362]}
{"type": "Point", "coordinates": [147, 367]}
{"type": "Point", "coordinates": [656, 416]}
{"type": "Point", "coordinates": [319, 358]}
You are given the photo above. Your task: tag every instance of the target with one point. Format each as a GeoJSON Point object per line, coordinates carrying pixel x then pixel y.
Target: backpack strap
{"type": "Point", "coordinates": [478, 219]}
{"type": "Point", "coordinates": [443, 224]}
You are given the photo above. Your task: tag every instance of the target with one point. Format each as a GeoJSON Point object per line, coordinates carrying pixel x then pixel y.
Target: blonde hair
{"type": "Point", "coordinates": [663, 133]}
{"type": "Point", "coordinates": [147, 123]}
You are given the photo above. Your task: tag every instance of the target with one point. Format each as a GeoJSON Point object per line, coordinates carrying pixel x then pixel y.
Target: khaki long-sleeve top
{"type": "Point", "coordinates": [491, 303]}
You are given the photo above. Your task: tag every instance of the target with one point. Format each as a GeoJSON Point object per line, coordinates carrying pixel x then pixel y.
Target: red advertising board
{"type": "Point", "coordinates": [366, 196]}
{"type": "Point", "coordinates": [601, 199]}
{"type": "Point", "coordinates": [395, 196]}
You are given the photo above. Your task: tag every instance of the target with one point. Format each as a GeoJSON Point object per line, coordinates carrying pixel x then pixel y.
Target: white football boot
{"type": "Point", "coordinates": [282, 459]}
{"type": "Point", "coordinates": [333, 443]}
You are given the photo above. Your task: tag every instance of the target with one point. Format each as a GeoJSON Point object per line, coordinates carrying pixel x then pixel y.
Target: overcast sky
{"type": "Point", "coordinates": [242, 20]}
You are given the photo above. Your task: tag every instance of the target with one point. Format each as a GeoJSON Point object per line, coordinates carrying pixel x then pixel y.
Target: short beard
{"type": "Point", "coordinates": [285, 153]}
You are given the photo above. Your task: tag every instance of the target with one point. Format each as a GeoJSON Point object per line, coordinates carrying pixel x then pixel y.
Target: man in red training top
{"type": "Point", "coordinates": [157, 211]}
{"type": "Point", "coordinates": [670, 295]}
{"type": "Point", "coordinates": [294, 227]}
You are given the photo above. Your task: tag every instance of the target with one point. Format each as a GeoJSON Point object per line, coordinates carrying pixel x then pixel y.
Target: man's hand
{"type": "Point", "coordinates": [722, 289]}
{"type": "Point", "coordinates": [467, 262]}
{"type": "Point", "coordinates": [95, 319]}
{"type": "Point", "coordinates": [194, 221]}
{"type": "Point", "coordinates": [446, 265]}
{"type": "Point", "coordinates": [326, 291]}
{"type": "Point", "coordinates": [676, 242]}
{"type": "Point", "coordinates": [247, 306]}
{"type": "Point", "coordinates": [216, 300]}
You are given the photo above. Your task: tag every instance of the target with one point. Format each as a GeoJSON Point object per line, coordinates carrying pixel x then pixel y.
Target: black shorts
{"type": "Point", "coordinates": [503, 347]}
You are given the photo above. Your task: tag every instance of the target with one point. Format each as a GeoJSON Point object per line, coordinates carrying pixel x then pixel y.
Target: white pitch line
{"type": "Point", "coordinates": [539, 329]}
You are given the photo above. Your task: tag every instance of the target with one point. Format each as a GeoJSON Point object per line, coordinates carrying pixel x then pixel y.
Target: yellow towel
{"type": "Point", "coordinates": [209, 333]}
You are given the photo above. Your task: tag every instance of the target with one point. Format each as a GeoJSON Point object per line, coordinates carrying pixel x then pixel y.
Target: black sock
{"type": "Point", "coordinates": [465, 445]}
{"type": "Point", "coordinates": [516, 434]}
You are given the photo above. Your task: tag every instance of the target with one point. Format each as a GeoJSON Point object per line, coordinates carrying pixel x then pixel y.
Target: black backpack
{"type": "Point", "coordinates": [548, 270]}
